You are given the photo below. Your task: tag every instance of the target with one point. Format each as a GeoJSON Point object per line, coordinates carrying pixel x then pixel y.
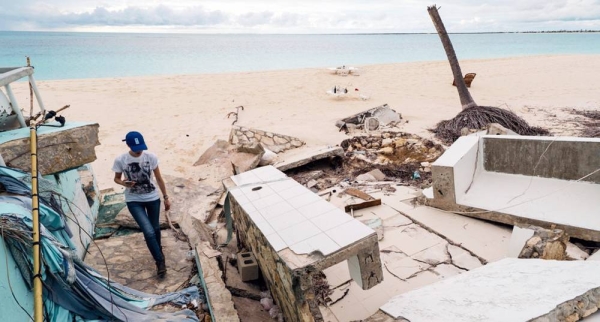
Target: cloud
{"type": "Point", "coordinates": [294, 16]}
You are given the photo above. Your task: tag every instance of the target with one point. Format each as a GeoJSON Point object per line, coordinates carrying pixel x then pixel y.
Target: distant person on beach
{"type": "Point", "coordinates": [133, 170]}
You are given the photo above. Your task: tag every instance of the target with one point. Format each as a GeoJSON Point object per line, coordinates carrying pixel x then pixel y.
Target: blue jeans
{"type": "Point", "coordinates": [146, 215]}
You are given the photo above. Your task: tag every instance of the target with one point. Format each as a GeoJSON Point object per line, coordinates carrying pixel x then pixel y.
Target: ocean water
{"type": "Point", "coordinates": [96, 55]}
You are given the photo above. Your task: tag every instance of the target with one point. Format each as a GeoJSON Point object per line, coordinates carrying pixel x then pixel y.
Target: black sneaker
{"type": "Point", "coordinates": [161, 269]}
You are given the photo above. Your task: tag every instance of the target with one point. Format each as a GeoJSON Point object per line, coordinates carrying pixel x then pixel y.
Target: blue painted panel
{"type": "Point", "coordinates": [9, 309]}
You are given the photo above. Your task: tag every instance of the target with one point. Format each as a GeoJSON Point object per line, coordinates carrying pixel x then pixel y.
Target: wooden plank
{"type": "Point", "coordinates": [359, 194]}
{"type": "Point", "coordinates": [362, 205]}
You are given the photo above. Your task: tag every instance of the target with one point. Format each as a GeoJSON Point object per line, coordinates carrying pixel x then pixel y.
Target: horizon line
{"type": "Point", "coordinates": [317, 34]}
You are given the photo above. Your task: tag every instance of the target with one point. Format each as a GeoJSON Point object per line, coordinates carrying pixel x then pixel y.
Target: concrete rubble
{"type": "Point", "coordinates": [300, 157]}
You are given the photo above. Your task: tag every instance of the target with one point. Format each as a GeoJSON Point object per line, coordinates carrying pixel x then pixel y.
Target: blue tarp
{"type": "Point", "coordinates": [73, 291]}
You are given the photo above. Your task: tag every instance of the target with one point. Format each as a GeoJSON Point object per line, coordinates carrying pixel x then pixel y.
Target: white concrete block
{"type": "Point", "coordinates": [517, 240]}
{"type": "Point", "coordinates": [354, 268]}
{"type": "Point", "coordinates": [594, 257]}
{"type": "Point", "coordinates": [576, 253]}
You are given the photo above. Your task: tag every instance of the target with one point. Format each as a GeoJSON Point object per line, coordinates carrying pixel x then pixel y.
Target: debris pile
{"type": "Point", "coordinates": [478, 118]}
{"type": "Point", "coordinates": [370, 120]}
{"type": "Point", "coordinates": [398, 155]}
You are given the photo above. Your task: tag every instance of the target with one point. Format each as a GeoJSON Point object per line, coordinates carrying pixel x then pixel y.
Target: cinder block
{"type": "Point", "coordinates": [247, 266]}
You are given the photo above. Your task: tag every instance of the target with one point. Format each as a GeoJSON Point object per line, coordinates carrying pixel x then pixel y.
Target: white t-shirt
{"type": "Point", "coordinates": [138, 169]}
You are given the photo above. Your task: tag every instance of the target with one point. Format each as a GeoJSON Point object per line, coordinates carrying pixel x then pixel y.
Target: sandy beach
{"type": "Point", "coordinates": [182, 115]}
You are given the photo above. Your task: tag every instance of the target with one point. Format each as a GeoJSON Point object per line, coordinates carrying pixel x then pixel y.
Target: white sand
{"type": "Point", "coordinates": [180, 116]}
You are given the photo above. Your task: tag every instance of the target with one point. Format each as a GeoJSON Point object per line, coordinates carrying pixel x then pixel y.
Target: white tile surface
{"type": "Point", "coordinates": [315, 209]}
{"type": "Point", "coordinates": [290, 215]}
{"type": "Point", "coordinates": [254, 193]}
{"type": "Point", "coordinates": [331, 219]}
{"type": "Point", "coordinates": [293, 192]}
{"type": "Point", "coordinates": [276, 210]}
{"type": "Point", "coordinates": [265, 227]}
{"type": "Point", "coordinates": [283, 184]}
{"type": "Point", "coordinates": [268, 173]}
{"type": "Point", "coordinates": [239, 196]}
{"type": "Point", "coordinates": [286, 220]}
{"type": "Point", "coordinates": [299, 232]}
{"type": "Point", "coordinates": [253, 213]}
{"type": "Point", "coordinates": [320, 242]}
{"type": "Point", "coordinates": [276, 242]}
{"type": "Point", "coordinates": [304, 199]}
{"type": "Point", "coordinates": [267, 201]}
{"type": "Point", "coordinates": [245, 178]}
{"type": "Point", "coordinates": [349, 232]}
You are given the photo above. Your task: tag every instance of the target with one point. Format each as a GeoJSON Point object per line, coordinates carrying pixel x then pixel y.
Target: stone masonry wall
{"type": "Point", "coordinates": [281, 280]}
{"type": "Point", "coordinates": [272, 141]}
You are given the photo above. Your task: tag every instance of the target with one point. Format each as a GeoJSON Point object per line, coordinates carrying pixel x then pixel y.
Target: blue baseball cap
{"type": "Point", "coordinates": [135, 141]}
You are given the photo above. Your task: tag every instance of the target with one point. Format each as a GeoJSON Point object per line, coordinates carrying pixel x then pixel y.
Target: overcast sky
{"type": "Point", "coordinates": [287, 16]}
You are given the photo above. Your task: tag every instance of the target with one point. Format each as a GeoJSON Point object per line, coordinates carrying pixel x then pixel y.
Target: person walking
{"type": "Point", "coordinates": [134, 170]}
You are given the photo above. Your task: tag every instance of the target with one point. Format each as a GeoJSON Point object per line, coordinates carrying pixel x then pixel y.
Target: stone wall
{"type": "Point", "coordinates": [272, 141]}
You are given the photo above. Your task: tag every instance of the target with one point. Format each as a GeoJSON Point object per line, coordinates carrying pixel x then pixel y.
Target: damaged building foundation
{"type": "Point", "coordinates": [294, 235]}
{"type": "Point", "coordinates": [518, 180]}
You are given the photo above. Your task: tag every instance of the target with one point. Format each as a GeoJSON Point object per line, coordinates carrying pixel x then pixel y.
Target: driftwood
{"type": "Point", "coordinates": [235, 113]}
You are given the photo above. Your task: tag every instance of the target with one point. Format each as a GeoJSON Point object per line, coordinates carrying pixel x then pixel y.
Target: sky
{"type": "Point", "coordinates": [293, 16]}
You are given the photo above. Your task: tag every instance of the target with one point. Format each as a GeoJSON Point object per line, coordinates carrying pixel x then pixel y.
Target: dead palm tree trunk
{"type": "Point", "coordinates": [463, 92]}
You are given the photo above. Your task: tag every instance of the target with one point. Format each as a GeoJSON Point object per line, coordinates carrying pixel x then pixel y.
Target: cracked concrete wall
{"type": "Point", "coordinates": [521, 155]}
{"type": "Point", "coordinates": [272, 141]}
{"type": "Point", "coordinates": [289, 288]}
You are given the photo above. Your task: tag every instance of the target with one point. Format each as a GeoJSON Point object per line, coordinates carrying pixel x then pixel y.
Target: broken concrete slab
{"type": "Point", "coordinates": [218, 297]}
{"type": "Point", "coordinates": [295, 234]}
{"type": "Point", "coordinates": [518, 238]}
{"type": "Point", "coordinates": [296, 158]}
{"type": "Point", "coordinates": [191, 199]}
{"type": "Point", "coordinates": [463, 259]}
{"type": "Point", "coordinates": [272, 141]}
{"type": "Point", "coordinates": [507, 290]}
{"type": "Point", "coordinates": [491, 177]}
{"type": "Point", "coordinates": [434, 255]}
{"type": "Point", "coordinates": [223, 154]}
{"type": "Point", "coordinates": [59, 148]}
{"type": "Point", "coordinates": [401, 265]}
{"type": "Point", "coordinates": [487, 240]}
